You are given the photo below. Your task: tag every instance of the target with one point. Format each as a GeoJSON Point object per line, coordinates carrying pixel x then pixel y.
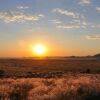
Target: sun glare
{"type": "Point", "coordinates": [39, 49]}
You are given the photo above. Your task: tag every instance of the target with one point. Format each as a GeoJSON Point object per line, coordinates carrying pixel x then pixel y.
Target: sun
{"type": "Point", "coordinates": [39, 49]}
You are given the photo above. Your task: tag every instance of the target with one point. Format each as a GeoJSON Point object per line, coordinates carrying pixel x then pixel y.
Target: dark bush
{"type": "Point", "coordinates": [2, 73]}
{"type": "Point", "coordinates": [94, 96]}
{"type": "Point", "coordinates": [88, 70]}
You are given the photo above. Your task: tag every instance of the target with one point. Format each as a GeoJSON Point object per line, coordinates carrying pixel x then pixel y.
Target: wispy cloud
{"type": "Point", "coordinates": [98, 9]}
{"type": "Point", "coordinates": [55, 21]}
{"type": "Point", "coordinates": [80, 22]}
{"type": "Point", "coordinates": [84, 2]}
{"type": "Point", "coordinates": [66, 13]}
{"type": "Point", "coordinates": [22, 7]}
{"type": "Point", "coordinates": [14, 16]}
{"type": "Point", "coordinates": [95, 25]}
{"type": "Point", "coordinates": [93, 37]}
{"type": "Point", "coordinates": [84, 23]}
{"type": "Point", "coordinates": [41, 15]}
{"type": "Point", "coordinates": [76, 21]}
{"type": "Point", "coordinates": [68, 26]}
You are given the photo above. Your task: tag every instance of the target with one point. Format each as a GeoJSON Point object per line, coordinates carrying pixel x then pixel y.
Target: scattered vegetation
{"type": "Point", "coordinates": [69, 87]}
{"type": "Point", "coordinates": [2, 73]}
{"type": "Point", "coordinates": [49, 68]}
{"type": "Point", "coordinates": [50, 79]}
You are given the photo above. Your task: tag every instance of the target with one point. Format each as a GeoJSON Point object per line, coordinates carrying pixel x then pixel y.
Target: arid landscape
{"type": "Point", "coordinates": [50, 79]}
{"type": "Point", "coordinates": [49, 49]}
{"type": "Point", "coordinates": [69, 87]}
{"type": "Point", "coordinates": [48, 67]}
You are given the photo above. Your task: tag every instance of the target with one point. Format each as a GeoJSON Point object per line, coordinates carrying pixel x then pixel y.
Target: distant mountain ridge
{"type": "Point", "coordinates": [97, 55]}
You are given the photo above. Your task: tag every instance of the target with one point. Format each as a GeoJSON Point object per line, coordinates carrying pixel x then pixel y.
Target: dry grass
{"type": "Point", "coordinates": [24, 67]}
{"type": "Point", "coordinates": [50, 79]}
{"type": "Point", "coordinates": [69, 87]}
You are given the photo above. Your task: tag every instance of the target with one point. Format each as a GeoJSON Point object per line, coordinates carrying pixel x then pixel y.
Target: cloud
{"type": "Point", "coordinates": [14, 16]}
{"type": "Point", "coordinates": [80, 22]}
{"type": "Point", "coordinates": [68, 26]}
{"type": "Point", "coordinates": [85, 2]}
{"type": "Point", "coordinates": [66, 13]}
{"type": "Point", "coordinates": [22, 7]}
{"type": "Point", "coordinates": [55, 21]}
{"type": "Point", "coordinates": [98, 8]}
{"type": "Point", "coordinates": [77, 23]}
{"type": "Point", "coordinates": [41, 15]}
{"type": "Point", "coordinates": [95, 26]}
{"type": "Point", "coordinates": [93, 37]}
{"type": "Point", "coordinates": [85, 23]}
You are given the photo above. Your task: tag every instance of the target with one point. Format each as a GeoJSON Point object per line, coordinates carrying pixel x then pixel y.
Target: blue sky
{"type": "Point", "coordinates": [67, 27]}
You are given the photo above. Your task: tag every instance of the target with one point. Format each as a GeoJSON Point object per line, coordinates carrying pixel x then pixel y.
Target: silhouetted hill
{"type": "Point", "coordinates": [97, 55]}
